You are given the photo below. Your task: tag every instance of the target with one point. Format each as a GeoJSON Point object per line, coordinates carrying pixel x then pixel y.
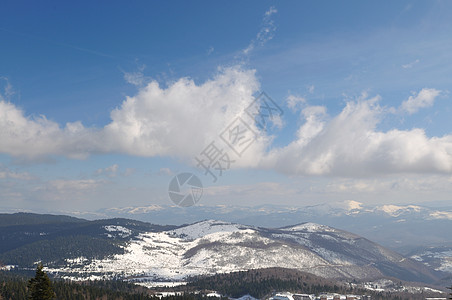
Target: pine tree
{"type": "Point", "coordinates": [40, 287]}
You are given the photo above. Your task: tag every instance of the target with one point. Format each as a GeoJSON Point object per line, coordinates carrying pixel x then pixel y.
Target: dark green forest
{"type": "Point", "coordinates": [26, 238]}
{"type": "Point", "coordinates": [260, 284]}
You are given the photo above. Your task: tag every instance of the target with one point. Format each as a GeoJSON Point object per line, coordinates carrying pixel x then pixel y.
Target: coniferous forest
{"type": "Point", "coordinates": [257, 283]}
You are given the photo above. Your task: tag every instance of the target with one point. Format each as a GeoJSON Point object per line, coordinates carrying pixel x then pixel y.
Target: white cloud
{"type": "Point", "coordinates": [128, 172]}
{"type": "Point", "coordinates": [73, 184]}
{"type": "Point", "coordinates": [30, 137]}
{"type": "Point", "coordinates": [183, 118]}
{"type": "Point", "coordinates": [293, 102]}
{"type": "Point", "coordinates": [177, 121]}
{"type": "Point", "coordinates": [108, 171]}
{"type": "Point", "coordinates": [6, 173]}
{"type": "Point", "coordinates": [411, 64]}
{"type": "Point", "coordinates": [351, 145]}
{"type": "Point", "coordinates": [272, 10]}
{"type": "Point", "coordinates": [165, 171]}
{"type": "Point", "coordinates": [180, 120]}
{"type": "Point", "coordinates": [260, 189]}
{"type": "Point", "coordinates": [266, 32]}
{"type": "Point", "coordinates": [137, 77]}
{"type": "Point", "coordinates": [8, 90]}
{"type": "Point", "coordinates": [68, 190]}
{"type": "Point", "coordinates": [425, 98]}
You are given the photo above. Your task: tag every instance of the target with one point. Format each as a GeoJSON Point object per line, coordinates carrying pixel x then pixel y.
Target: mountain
{"type": "Point", "coordinates": [35, 219]}
{"type": "Point", "coordinates": [122, 248]}
{"type": "Point", "coordinates": [438, 258]}
{"type": "Point", "coordinates": [403, 228]}
{"type": "Point", "coordinates": [27, 238]}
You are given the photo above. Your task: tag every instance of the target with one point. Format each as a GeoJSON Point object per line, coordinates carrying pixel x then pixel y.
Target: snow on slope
{"type": "Point", "coordinates": [438, 258]}
{"type": "Point", "coordinates": [118, 230]}
{"type": "Point", "coordinates": [395, 210]}
{"type": "Point", "coordinates": [211, 247]}
{"type": "Point", "coordinates": [208, 227]}
{"type": "Point", "coordinates": [203, 248]}
{"type": "Point", "coordinates": [447, 215]}
{"type": "Point", "coordinates": [310, 227]}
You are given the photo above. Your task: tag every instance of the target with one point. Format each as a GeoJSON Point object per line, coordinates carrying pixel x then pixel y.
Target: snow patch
{"type": "Point", "coordinates": [395, 210]}
{"type": "Point", "coordinates": [309, 227]}
{"type": "Point", "coordinates": [118, 230]}
{"type": "Point", "coordinates": [441, 215]}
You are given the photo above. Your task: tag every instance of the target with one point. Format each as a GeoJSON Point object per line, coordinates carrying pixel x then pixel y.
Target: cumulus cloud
{"type": "Point", "coordinates": [350, 144]}
{"type": "Point", "coordinates": [425, 98]}
{"type": "Point", "coordinates": [182, 119]}
{"type": "Point", "coordinates": [176, 121]}
{"type": "Point", "coordinates": [33, 137]}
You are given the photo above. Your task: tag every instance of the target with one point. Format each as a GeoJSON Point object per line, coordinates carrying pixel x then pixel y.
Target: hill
{"type": "Point", "coordinates": [128, 249]}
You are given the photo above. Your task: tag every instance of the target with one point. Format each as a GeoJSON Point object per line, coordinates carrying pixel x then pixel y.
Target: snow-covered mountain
{"type": "Point", "coordinates": [210, 247]}
{"type": "Point", "coordinates": [403, 228]}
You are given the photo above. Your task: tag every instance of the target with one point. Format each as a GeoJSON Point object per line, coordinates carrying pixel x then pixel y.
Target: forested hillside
{"type": "Point", "coordinates": [27, 238]}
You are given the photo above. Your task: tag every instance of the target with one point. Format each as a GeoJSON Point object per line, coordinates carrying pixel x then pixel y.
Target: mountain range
{"type": "Point", "coordinates": [407, 229]}
{"type": "Point", "coordinates": [127, 249]}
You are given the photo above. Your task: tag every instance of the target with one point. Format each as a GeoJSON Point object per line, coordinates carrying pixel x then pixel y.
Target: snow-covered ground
{"type": "Point", "coordinates": [117, 230]}
{"type": "Point", "coordinates": [207, 247]}
{"type": "Point", "coordinates": [211, 247]}
{"type": "Point", "coordinates": [439, 259]}
{"type": "Point", "coordinates": [386, 285]}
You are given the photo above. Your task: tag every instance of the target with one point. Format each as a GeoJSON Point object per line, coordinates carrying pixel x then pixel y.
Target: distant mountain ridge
{"type": "Point", "coordinates": [123, 248]}
{"type": "Point", "coordinates": [27, 237]}
{"type": "Point", "coordinates": [403, 228]}
{"type": "Point", "coordinates": [23, 218]}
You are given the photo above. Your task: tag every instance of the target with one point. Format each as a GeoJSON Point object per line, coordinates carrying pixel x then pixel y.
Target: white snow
{"type": "Point", "coordinates": [152, 284]}
{"type": "Point", "coordinates": [441, 215]}
{"type": "Point", "coordinates": [309, 227]}
{"type": "Point", "coordinates": [354, 205]}
{"type": "Point", "coordinates": [246, 297]}
{"type": "Point", "coordinates": [119, 230]}
{"type": "Point", "coordinates": [137, 210]}
{"type": "Point", "coordinates": [207, 247]}
{"type": "Point", "coordinates": [395, 210]}
{"type": "Point", "coordinates": [390, 286]}
{"type": "Point", "coordinates": [203, 228]}
{"type": "Point", "coordinates": [211, 247]}
{"type": "Point", "coordinates": [443, 258]}
{"type": "Point", "coordinates": [8, 267]}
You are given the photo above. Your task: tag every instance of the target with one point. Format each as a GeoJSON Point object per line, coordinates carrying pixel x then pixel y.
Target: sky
{"type": "Point", "coordinates": [266, 102]}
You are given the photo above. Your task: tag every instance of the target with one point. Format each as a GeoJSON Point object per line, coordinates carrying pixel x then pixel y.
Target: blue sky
{"type": "Point", "coordinates": [101, 104]}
